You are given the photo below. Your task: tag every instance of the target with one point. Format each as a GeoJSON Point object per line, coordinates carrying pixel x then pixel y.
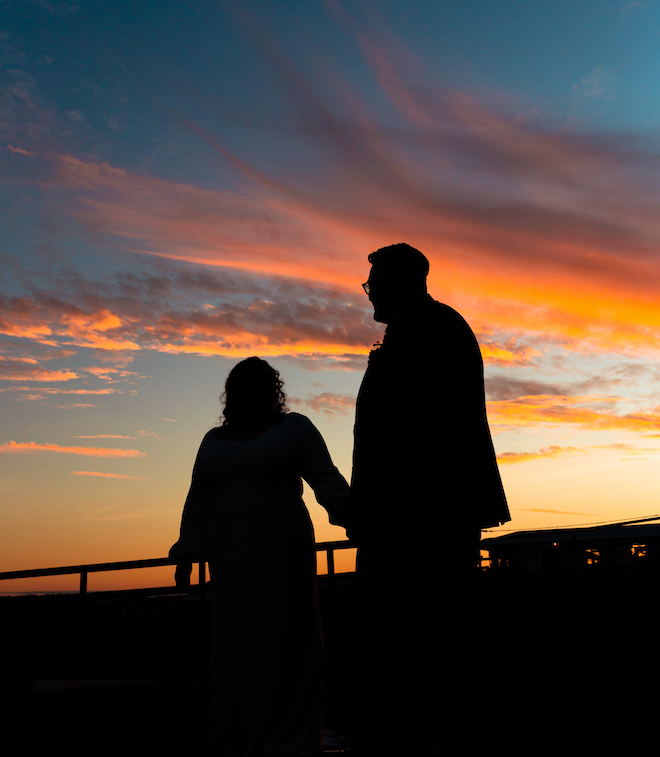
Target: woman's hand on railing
{"type": "Point", "coordinates": [182, 575]}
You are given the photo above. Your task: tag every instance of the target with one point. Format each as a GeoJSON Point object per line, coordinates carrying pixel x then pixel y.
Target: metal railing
{"type": "Point", "coordinates": [328, 547]}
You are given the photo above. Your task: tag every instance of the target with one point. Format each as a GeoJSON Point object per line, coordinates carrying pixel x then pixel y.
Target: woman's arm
{"type": "Point", "coordinates": [195, 521]}
{"type": "Point", "coordinates": [316, 467]}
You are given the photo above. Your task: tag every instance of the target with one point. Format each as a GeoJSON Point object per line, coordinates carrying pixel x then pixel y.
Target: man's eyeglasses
{"type": "Point", "coordinates": [366, 287]}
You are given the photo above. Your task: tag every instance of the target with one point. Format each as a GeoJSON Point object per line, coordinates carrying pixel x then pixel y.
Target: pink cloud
{"type": "Point", "coordinates": [107, 475]}
{"type": "Point", "coordinates": [327, 402]}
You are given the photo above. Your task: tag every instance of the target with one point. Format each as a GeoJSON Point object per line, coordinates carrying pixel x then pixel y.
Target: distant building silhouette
{"type": "Point", "coordinates": [599, 550]}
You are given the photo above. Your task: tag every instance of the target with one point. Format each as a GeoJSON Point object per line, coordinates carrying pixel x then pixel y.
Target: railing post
{"type": "Point", "coordinates": [330, 558]}
{"type": "Point", "coordinates": [202, 580]}
{"type": "Point", "coordinates": [330, 553]}
{"type": "Point", "coordinates": [83, 582]}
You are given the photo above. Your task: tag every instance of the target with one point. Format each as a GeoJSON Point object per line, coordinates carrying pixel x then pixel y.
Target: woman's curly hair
{"type": "Point", "coordinates": [253, 388]}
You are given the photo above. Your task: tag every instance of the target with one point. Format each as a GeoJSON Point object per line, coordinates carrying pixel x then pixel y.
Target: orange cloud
{"type": "Point", "coordinates": [91, 330]}
{"type": "Point", "coordinates": [536, 267]}
{"type": "Point", "coordinates": [36, 331]}
{"type": "Point", "coordinates": [39, 375]}
{"type": "Point", "coordinates": [569, 411]}
{"type": "Point", "coordinates": [28, 318]}
{"type": "Point", "coordinates": [249, 316]}
{"type": "Point", "coordinates": [529, 229]}
{"type": "Point", "coordinates": [32, 447]}
{"type": "Point", "coordinates": [28, 369]}
{"type": "Point", "coordinates": [509, 354]}
{"type": "Point", "coordinates": [554, 451]}
{"type": "Point", "coordinates": [544, 452]}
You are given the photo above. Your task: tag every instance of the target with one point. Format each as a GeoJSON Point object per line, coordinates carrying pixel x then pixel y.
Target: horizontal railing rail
{"type": "Point", "coordinates": [328, 547]}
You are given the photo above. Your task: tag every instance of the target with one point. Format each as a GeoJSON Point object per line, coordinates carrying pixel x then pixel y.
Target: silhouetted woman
{"type": "Point", "coordinates": [245, 511]}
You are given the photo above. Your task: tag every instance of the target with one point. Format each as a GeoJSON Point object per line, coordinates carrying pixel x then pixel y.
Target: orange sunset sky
{"type": "Point", "coordinates": [186, 188]}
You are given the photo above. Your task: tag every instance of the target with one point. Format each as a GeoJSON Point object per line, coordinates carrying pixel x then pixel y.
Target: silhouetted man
{"type": "Point", "coordinates": [425, 482]}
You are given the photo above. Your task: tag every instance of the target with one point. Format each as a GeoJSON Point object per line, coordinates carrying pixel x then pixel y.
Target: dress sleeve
{"type": "Point", "coordinates": [196, 516]}
{"type": "Point", "coordinates": [316, 467]}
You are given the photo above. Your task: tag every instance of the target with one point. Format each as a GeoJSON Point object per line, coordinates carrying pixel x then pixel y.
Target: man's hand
{"type": "Point", "coordinates": [352, 522]}
{"type": "Point", "coordinates": [182, 575]}
{"type": "Point", "coordinates": [354, 531]}
{"type": "Point", "coordinates": [347, 517]}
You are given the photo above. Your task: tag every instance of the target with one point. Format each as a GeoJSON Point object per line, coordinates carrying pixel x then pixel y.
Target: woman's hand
{"type": "Point", "coordinates": [182, 575]}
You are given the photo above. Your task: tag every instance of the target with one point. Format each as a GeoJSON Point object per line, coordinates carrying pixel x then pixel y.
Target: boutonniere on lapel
{"type": "Point", "coordinates": [374, 352]}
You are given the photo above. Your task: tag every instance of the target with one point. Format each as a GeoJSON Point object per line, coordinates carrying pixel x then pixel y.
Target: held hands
{"type": "Point", "coordinates": [354, 529]}
{"type": "Point", "coordinates": [348, 516]}
{"type": "Point", "coordinates": [182, 575]}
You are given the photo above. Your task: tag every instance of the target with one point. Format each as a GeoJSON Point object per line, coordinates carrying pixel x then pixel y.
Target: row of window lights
{"type": "Point", "coordinates": [637, 551]}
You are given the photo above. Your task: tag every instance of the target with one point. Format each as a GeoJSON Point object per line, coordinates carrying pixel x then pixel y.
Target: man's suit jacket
{"type": "Point", "coordinates": [423, 458]}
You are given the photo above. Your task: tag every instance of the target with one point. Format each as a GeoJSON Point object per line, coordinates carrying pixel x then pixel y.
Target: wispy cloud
{"type": "Point", "coordinates": [617, 377]}
{"type": "Point", "coordinates": [28, 448]}
{"type": "Point", "coordinates": [193, 311]}
{"type": "Point", "coordinates": [19, 150]}
{"type": "Point", "coordinates": [28, 369]}
{"type": "Point", "coordinates": [553, 512]}
{"type": "Point", "coordinates": [545, 452]}
{"type": "Point", "coordinates": [41, 393]}
{"type": "Point", "coordinates": [544, 410]}
{"type": "Point", "coordinates": [522, 220]}
{"type": "Point", "coordinates": [530, 229]}
{"type": "Point", "coordinates": [76, 405]}
{"type": "Point", "coordinates": [105, 436]}
{"type": "Point", "coordinates": [216, 227]}
{"type": "Point", "coordinates": [629, 452]}
{"type": "Point", "coordinates": [509, 354]}
{"type": "Point", "coordinates": [556, 227]}
{"type": "Point", "coordinates": [599, 85]}
{"type": "Point", "coordinates": [329, 403]}
{"type": "Point", "coordinates": [107, 373]}
{"type": "Point", "coordinates": [107, 475]}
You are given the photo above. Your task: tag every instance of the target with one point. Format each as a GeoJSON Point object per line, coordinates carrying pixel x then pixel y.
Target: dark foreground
{"type": "Point", "coordinates": [171, 717]}
{"type": "Point", "coordinates": [566, 669]}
